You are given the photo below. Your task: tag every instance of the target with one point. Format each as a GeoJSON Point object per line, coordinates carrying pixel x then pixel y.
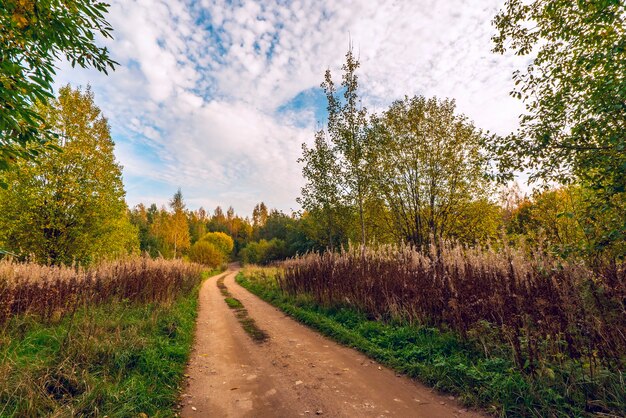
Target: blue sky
{"type": "Point", "coordinates": [216, 97]}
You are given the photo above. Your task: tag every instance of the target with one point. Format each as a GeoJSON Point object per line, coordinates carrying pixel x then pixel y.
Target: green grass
{"type": "Point", "coordinates": [233, 303]}
{"type": "Point", "coordinates": [118, 359]}
{"type": "Point", "coordinates": [444, 361]}
{"type": "Point", "coordinates": [250, 327]}
{"type": "Point", "coordinates": [241, 313]}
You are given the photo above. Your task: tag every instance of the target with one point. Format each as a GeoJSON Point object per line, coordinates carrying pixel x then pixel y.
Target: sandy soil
{"type": "Point", "coordinates": [296, 373]}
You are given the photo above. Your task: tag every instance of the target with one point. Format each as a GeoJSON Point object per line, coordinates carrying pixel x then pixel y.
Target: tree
{"type": "Point", "coordinates": [565, 220]}
{"type": "Point", "coordinates": [427, 163]}
{"type": "Point", "coordinates": [347, 129]}
{"type": "Point", "coordinates": [218, 222]}
{"type": "Point", "coordinates": [322, 192]}
{"type": "Point", "coordinates": [197, 224]}
{"type": "Point", "coordinates": [264, 251]}
{"type": "Point", "coordinates": [242, 233]}
{"type": "Point", "coordinates": [574, 91]}
{"type": "Point", "coordinates": [301, 235]}
{"type": "Point", "coordinates": [178, 228]}
{"type": "Point", "coordinates": [150, 223]}
{"type": "Point", "coordinates": [159, 221]}
{"type": "Point", "coordinates": [275, 226]}
{"type": "Point", "coordinates": [259, 215]}
{"type": "Point", "coordinates": [230, 219]}
{"type": "Point", "coordinates": [33, 36]}
{"type": "Point", "coordinates": [69, 206]}
{"type": "Point", "coordinates": [477, 221]}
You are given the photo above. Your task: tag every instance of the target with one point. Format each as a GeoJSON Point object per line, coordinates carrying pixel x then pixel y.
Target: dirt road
{"type": "Point", "coordinates": [297, 372]}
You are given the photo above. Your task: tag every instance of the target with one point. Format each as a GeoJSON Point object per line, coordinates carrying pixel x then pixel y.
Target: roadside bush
{"type": "Point", "coordinates": [112, 340]}
{"type": "Point", "coordinates": [441, 358]}
{"type": "Point", "coordinates": [264, 252]}
{"type": "Point", "coordinates": [221, 241]}
{"type": "Point", "coordinates": [203, 252]}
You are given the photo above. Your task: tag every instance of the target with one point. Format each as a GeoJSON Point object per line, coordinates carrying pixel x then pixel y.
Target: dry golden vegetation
{"type": "Point", "coordinates": [111, 340]}
{"type": "Point", "coordinates": [50, 292]}
{"type": "Point", "coordinates": [545, 309]}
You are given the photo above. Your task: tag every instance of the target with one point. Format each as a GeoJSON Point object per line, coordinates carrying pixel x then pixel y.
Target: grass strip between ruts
{"type": "Point", "coordinates": [241, 313]}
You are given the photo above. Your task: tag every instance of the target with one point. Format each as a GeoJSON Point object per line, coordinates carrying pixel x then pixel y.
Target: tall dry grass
{"type": "Point", "coordinates": [51, 292]}
{"type": "Point", "coordinates": [545, 309]}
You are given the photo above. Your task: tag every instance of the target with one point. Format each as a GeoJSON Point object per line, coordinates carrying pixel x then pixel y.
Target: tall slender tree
{"type": "Point", "coordinates": [178, 226]}
{"type": "Point", "coordinates": [259, 215]}
{"type": "Point", "coordinates": [347, 129]}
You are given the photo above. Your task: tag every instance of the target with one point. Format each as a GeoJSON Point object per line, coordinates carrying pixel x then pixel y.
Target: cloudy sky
{"type": "Point", "coordinates": [217, 96]}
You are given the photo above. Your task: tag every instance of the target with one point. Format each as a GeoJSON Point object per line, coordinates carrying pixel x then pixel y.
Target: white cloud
{"type": "Point", "coordinates": [194, 101]}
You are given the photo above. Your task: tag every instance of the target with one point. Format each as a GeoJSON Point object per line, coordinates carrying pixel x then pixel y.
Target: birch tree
{"type": "Point", "coordinates": [178, 226]}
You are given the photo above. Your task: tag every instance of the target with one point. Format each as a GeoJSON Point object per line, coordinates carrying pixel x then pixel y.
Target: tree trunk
{"type": "Point", "coordinates": [361, 215]}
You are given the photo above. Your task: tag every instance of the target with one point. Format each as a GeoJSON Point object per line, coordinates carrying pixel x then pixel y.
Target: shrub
{"type": "Point", "coordinates": [221, 241]}
{"type": "Point", "coordinates": [264, 252]}
{"type": "Point", "coordinates": [203, 252]}
{"type": "Point", "coordinates": [439, 357]}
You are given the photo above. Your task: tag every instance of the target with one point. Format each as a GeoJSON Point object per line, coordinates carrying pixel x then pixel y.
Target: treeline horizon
{"type": "Point", "coordinates": [420, 175]}
{"type": "Point", "coordinates": [418, 172]}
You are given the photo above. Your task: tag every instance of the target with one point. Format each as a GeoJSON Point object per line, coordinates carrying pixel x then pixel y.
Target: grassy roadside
{"type": "Point", "coordinates": [117, 359]}
{"type": "Point", "coordinates": [442, 360]}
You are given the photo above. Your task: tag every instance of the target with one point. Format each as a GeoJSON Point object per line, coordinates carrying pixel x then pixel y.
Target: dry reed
{"type": "Point", "coordinates": [540, 306]}
{"type": "Point", "coordinates": [50, 292]}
